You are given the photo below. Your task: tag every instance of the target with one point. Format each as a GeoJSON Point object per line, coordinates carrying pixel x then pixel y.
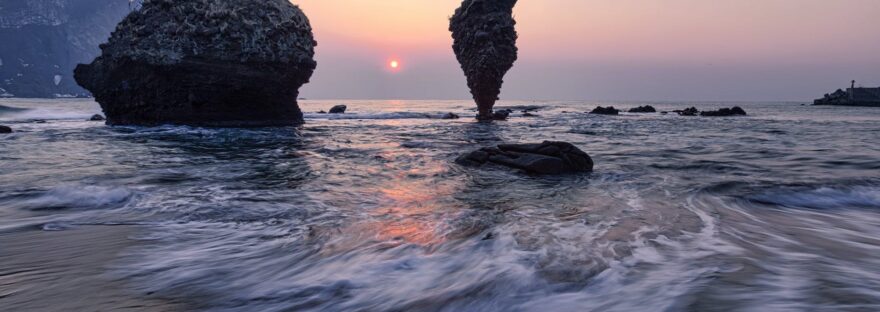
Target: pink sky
{"type": "Point", "coordinates": [606, 49]}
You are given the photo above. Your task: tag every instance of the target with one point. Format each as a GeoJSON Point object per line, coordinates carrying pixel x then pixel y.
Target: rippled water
{"type": "Point", "coordinates": [778, 211]}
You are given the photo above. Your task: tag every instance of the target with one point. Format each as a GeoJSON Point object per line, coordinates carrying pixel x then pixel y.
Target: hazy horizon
{"type": "Point", "coordinates": [688, 50]}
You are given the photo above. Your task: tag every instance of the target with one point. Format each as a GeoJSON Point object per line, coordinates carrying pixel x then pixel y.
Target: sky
{"type": "Point", "coordinates": [692, 50]}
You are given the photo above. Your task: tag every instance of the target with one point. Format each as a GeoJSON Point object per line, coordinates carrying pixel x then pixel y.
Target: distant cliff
{"type": "Point", "coordinates": [41, 41]}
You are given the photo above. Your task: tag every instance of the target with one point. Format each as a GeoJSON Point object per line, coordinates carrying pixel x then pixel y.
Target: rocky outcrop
{"type": "Point", "coordinates": [610, 110]}
{"type": "Point", "coordinates": [97, 117]}
{"type": "Point", "coordinates": [485, 45]}
{"type": "Point", "coordinates": [5, 129]}
{"type": "Point", "coordinates": [450, 116]}
{"type": "Point", "coordinates": [338, 109]}
{"type": "Point", "coordinates": [204, 63]}
{"type": "Point", "coordinates": [544, 158]}
{"type": "Point", "coordinates": [725, 112]}
{"type": "Point", "coordinates": [643, 109]}
{"type": "Point", "coordinates": [692, 111]}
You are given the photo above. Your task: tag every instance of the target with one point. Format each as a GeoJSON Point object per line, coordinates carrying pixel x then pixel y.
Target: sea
{"type": "Point", "coordinates": [367, 211]}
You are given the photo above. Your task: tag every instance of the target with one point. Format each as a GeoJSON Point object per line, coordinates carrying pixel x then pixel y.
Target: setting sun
{"type": "Point", "coordinates": [394, 64]}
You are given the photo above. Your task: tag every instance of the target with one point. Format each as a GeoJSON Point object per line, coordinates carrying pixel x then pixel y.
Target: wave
{"type": "Point", "coordinates": [824, 198]}
{"type": "Point", "coordinates": [77, 197]}
{"type": "Point", "coordinates": [390, 115]}
{"type": "Point", "coordinates": [26, 114]}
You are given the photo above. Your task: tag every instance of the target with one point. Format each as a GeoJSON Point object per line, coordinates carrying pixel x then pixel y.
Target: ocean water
{"type": "Point", "coordinates": [777, 211]}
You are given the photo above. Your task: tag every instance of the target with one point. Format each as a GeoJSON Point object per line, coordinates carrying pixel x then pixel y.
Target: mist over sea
{"type": "Point", "coordinates": [366, 211]}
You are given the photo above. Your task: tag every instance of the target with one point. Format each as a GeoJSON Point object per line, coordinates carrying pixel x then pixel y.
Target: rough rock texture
{"type": "Point", "coordinates": [643, 109]}
{"type": "Point", "coordinates": [338, 109]}
{"type": "Point", "coordinates": [692, 111]}
{"type": "Point", "coordinates": [5, 129]}
{"type": "Point", "coordinates": [724, 112]}
{"type": "Point", "coordinates": [204, 63]}
{"type": "Point", "coordinates": [544, 158]}
{"type": "Point", "coordinates": [610, 110]}
{"type": "Point", "coordinates": [485, 45]}
{"type": "Point", "coordinates": [41, 41]}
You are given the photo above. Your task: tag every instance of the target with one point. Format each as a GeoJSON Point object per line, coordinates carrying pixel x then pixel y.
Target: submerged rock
{"type": "Point", "coordinates": [450, 116]}
{"type": "Point", "coordinates": [544, 158]}
{"type": "Point", "coordinates": [610, 110]}
{"type": "Point", "coordinates": [97, 117]}
{"type": "Point", "coordinates": [204, 63]}
{"type": "Point", "coordinates": [643, 109]}
{"type": "Point", "coordinates": [485, 44]}
{"type": "Point", "coordinates": [5, 129]}
{"type": "Point", "coordinates": [724, 112]}
{"type": "Point", "coordinates": [687, 112]}
{"type": "Point", "coordinates": [500, 114]}
{"type": "Point", "coordinates": [338, 109]}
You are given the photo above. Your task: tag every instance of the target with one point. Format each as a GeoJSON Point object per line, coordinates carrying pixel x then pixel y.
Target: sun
{"type": "Point", "coordinates": [394, 64]}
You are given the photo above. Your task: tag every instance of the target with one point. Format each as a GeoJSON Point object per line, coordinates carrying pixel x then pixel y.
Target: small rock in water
{"type": "Point", "coordinates": [544, 158]}
{"type": "Point", "coordinates": [97, 117]}
{"type": "Point", "coordinates": [450, 116]}
{"type": "Point", "coordinates": [688, 112]}
{"type": "Point", "coordinates": [725, 112]}
{"type": "Point", "coordinates": [5, 129]}
{"type": "Point", "coordinates": [610, 110]}
{"type": "Point", "coordinates": [338, 109]}
{"type": "Point", "coordinates": [501, 114]}
{"type": "Point", "coordinates": [527, 114]}
{"type": "Point", "coordinates": [321, 112]}
{"type": "Point", "coordinates": [643, 109]}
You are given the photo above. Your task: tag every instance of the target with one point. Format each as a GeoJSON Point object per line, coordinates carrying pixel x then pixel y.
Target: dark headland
{"type": "Point", "coordinates": [853, 96]}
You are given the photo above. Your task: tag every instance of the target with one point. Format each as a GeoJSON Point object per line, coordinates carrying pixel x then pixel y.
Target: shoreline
{"type": "Point", "coordinates": [44, 270]}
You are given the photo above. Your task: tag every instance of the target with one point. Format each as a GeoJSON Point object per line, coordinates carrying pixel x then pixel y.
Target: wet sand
{"type": "Point", "coordinates": [67, 271]}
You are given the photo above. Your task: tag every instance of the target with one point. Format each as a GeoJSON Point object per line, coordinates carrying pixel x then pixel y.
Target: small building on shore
{"type": "Point", "coordinates": [852, 97]}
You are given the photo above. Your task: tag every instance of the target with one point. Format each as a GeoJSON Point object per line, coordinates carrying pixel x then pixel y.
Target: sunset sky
{"type": "Point", "coordinates": [605, 49]}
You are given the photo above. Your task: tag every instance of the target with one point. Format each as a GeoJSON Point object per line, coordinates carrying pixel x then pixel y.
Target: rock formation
{"type": "Point", "coordinates": [5, 129]}
{"type": "Point", "coordinates": [725, 112]}
{"type": "Point", "coordinates": [610, 110]}
{"type": "Point", "coordinates": [338, 109]}
{"type": "Point", "coordinates": [204, 63]}
{"type": "Point", "coordinates": [41, 41]}
{"type": "Point", "coordinates": [643, 109]}
{"type": "Point", "coordinates": [692, 111]}
{"type": "Point", "coordinates": [544, 158]}
{"type": "Point", "coordinates": [485, 45]}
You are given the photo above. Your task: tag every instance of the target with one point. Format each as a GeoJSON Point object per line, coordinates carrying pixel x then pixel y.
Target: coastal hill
{"type": "Point", "coordinates": [852, 97]}
{"type": "Point", "coordinates": [41, 41]}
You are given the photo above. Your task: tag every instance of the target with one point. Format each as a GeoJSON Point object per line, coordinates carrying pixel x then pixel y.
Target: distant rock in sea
{"type": "Point", "coordinates": [204, 63]}
{"type": "Point", "coordinates": [338, 109]}
{"type": "Point", "coordinates": [97, 117]}
{"type": "Point", "coordinates": [485, 44]}
{"type": "Point", "coordinates": [544, 158]}
{"type": "Point", "coordinates": [643, 109]}
{"type": "Point", "coordinates": [5, 129]}
{"type": "Point", "coordinates": [692, 111]}
{"type": "Point", "coordinates": [725, 112]}
{"type": "Point", "coordinates": [610, 110]}
{"type": "Point", "coordinates": [852, 97]}
{"type": "Point", "coordinates": [450, 116]}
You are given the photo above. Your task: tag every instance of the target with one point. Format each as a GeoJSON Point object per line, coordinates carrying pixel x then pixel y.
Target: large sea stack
{"type": "Point", "coordinates": [485, 45]}
{"type": "Point", "coordinates": [204, 63]}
